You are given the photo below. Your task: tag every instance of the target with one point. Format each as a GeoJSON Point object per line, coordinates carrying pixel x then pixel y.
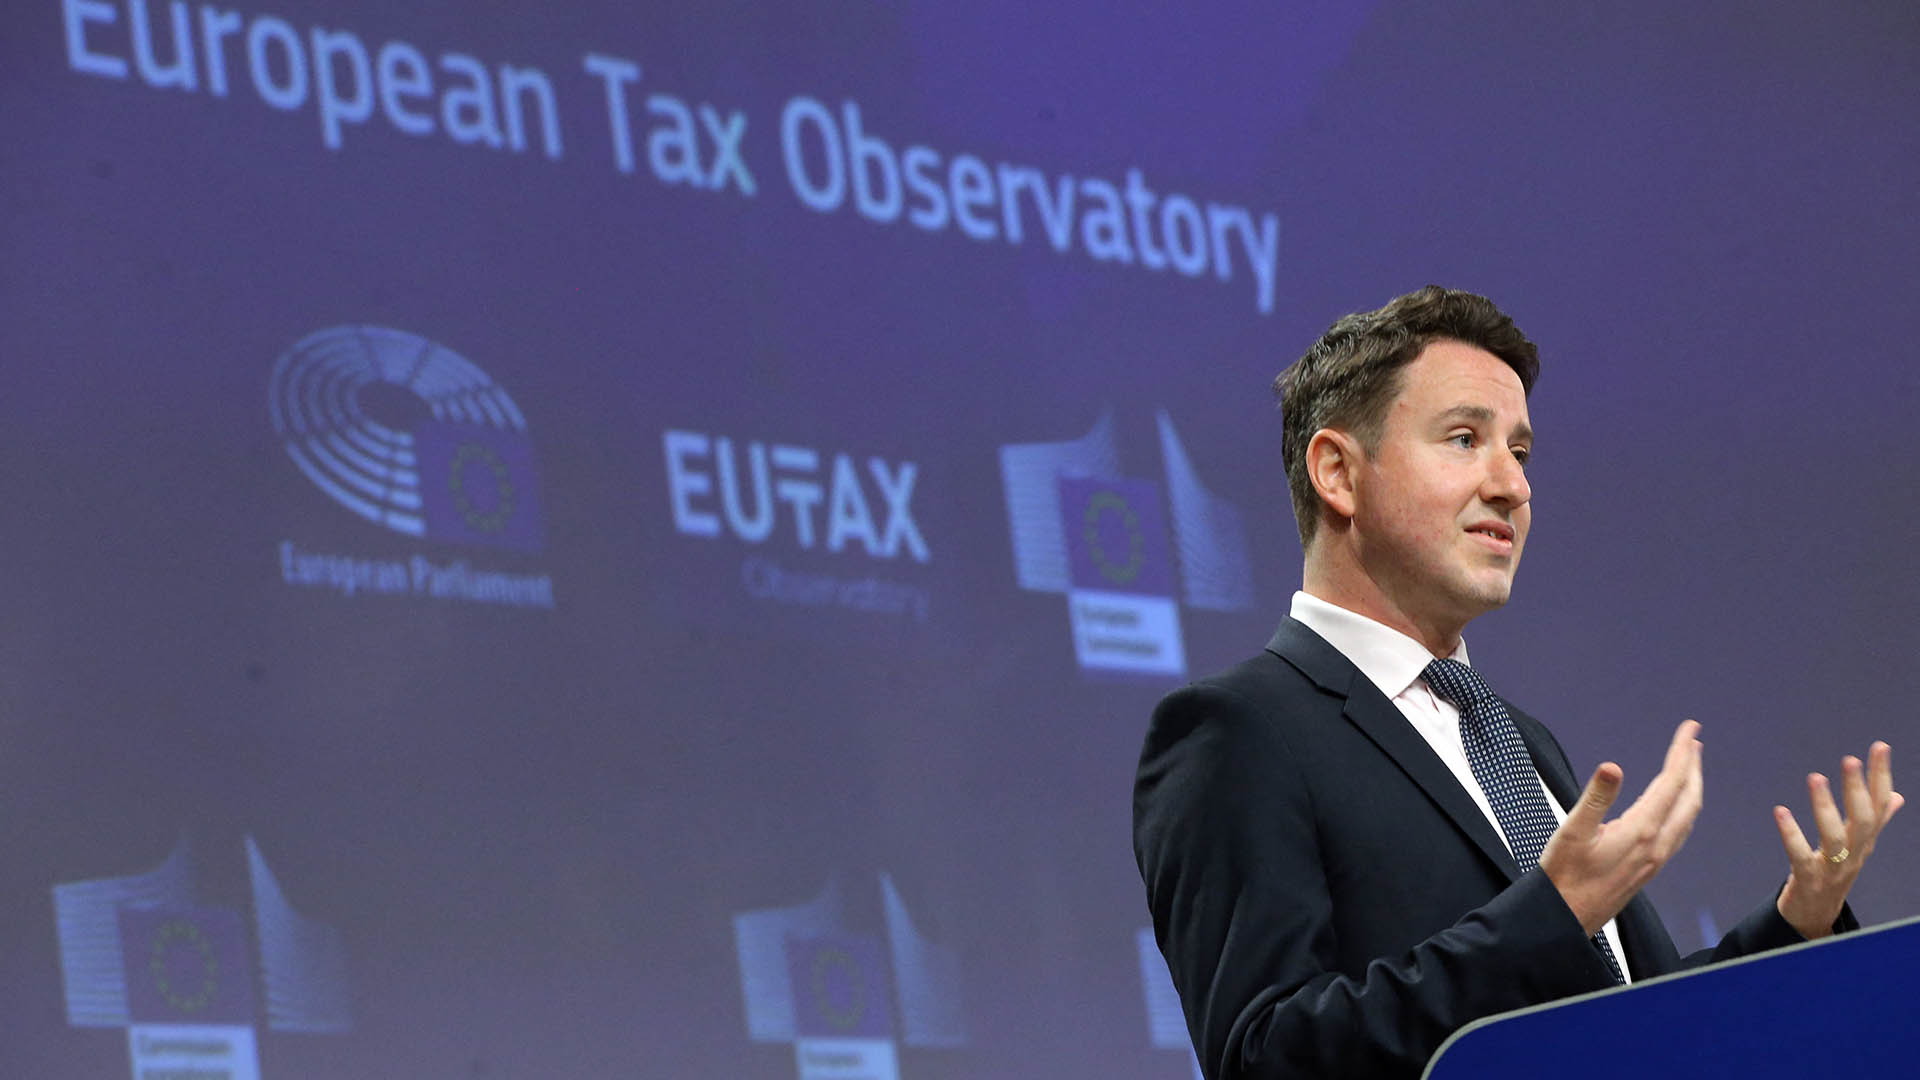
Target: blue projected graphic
{"type": "Point", "coordinates": [928, 976]}
{"type": "Point", "coordinates": [302, 963]}
{"type": "Point", "coordinates": [1030, 473]}
{"type": "Point", "coordinates": [87, 919]}
{"type": "Point", "coordinates": [1207, 532]}
{"type": "Point", "coordinates": [408, 434]}
{"type": "Point", "coordinates": [1166, 1023]}
{"type": "Point", "coordinates": [760, 940]}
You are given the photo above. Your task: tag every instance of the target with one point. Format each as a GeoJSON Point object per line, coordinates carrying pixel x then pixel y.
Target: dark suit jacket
{"type": "Point", "coordinates": [1329, 899]}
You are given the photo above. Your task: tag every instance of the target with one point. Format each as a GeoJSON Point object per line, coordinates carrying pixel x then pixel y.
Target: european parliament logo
{"type": "Point", "coordinates": [409, 435]}
{"type": "Point", "coordinates": [1083, 527]}
{"type": "Point", "coordinates": [146, 954]}
{"type": "Point", "coordinates": [845, 999]}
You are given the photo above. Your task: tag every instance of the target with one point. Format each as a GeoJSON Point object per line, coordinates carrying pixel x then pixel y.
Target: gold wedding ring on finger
{"type": "Point", "coordinates": [1840, 856]}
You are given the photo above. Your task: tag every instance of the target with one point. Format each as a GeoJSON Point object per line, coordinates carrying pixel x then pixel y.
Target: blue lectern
{"type": "Point", "coordinates": [1844, 1006]}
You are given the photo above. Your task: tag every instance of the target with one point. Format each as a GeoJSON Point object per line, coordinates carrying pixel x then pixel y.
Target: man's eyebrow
{"type": "Point", "coordinates": [1484, 415]}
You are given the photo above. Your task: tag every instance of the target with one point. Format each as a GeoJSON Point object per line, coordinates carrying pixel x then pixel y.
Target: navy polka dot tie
{"type": "Point", "coordinates": [1501, 764]}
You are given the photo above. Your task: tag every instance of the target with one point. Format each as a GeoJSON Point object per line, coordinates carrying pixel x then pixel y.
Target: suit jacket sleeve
{"type": "Point", "coordinates": [1228, 838]}
{"type": "Point", "coordinates": [1764, 928]}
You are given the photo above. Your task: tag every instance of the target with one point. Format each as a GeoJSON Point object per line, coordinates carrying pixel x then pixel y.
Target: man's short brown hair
{"type": "Point", "coordinates": [1352, 374]}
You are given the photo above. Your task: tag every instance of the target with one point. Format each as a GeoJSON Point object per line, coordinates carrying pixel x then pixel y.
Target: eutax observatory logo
{"type": "Point", "coordinates": [411, 436]}
{"type": "Point", "coordinates": [802, 500]}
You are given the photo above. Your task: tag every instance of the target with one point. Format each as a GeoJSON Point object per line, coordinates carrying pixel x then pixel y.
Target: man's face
{"type": "Point", "coordinates": [1441, 507]}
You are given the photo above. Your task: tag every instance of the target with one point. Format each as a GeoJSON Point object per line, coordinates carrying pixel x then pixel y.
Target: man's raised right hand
{"type": "Point", "coordinates": [1599, 865]}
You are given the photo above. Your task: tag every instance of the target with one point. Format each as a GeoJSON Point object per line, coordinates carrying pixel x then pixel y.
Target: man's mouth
{"type": "Point", "coordinates": [1494, 530]}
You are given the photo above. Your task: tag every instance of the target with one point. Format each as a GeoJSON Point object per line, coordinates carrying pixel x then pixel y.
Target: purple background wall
{"type": "Point", "coordinates": [533, 828]}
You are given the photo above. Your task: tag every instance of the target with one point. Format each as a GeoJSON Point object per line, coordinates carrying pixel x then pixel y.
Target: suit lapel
{"type": "Point", "coordinates": [1370, 711]}
{"type": "Point", "coordinates": [1560, 782]}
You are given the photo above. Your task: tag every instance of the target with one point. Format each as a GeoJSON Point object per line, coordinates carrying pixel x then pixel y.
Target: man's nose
{"type": "Point", "coordinates": [1507, 481]}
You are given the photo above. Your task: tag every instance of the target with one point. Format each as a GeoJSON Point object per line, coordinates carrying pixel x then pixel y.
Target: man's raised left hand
{"type": "Point", "coordinates": [1821, 876]}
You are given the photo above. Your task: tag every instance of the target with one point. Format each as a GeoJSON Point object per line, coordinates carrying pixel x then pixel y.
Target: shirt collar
{"type": "Point", "coordinates": [1388, 658]}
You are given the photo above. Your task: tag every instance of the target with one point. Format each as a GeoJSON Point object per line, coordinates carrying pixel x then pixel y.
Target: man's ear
{"type": "Point", "coordinates": [1333, 457]}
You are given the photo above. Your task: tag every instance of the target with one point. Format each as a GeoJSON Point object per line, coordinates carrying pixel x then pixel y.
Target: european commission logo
{"type": "Point", "coordinates": [846, 999]}
{"type": "Point", "coordinates": [1127, 553]}
{"type": "Point", "coordinates": [144, 953]}
{"type": "Point", "coordinates": [409, 435]}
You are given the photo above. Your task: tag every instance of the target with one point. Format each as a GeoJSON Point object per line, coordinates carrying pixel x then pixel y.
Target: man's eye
{"type": "Point", "coordinates": [1465, 439]}
{"type": "Point", "coordinates": [1521, 454]}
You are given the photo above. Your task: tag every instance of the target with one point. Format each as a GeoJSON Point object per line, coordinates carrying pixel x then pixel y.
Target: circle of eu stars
{"type": "Point", "coordinates": [1100, 503]}
{"type": "Point", "coordinates": [465, 460]}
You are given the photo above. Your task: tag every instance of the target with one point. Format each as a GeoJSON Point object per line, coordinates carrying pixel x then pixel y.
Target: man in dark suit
{"type": "Point", "coordinates": [1351, 847]}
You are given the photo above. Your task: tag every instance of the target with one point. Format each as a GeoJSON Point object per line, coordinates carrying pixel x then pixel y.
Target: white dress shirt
{"type": "Point", "coordinates": [1394, 662]}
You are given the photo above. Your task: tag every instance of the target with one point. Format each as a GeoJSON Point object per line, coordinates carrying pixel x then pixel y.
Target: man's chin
{"type": "Point", "coordinates": [1485, 596]}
